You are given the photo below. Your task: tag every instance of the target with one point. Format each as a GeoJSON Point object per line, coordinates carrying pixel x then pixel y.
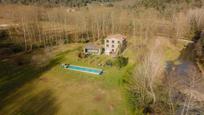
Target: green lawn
{"type": "Point", "coordinates": [28, 90]}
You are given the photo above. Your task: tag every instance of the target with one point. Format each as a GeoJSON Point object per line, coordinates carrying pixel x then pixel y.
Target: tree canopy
{"type": "Point", "coordinates": [54, 2]}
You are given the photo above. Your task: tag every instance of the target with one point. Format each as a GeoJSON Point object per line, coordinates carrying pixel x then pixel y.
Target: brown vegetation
{"type": "Point", "coordinates": [39, 26]}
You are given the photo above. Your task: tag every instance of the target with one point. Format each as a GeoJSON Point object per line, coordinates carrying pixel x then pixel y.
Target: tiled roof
{"type": "Point", "coordinates": [92, 46]}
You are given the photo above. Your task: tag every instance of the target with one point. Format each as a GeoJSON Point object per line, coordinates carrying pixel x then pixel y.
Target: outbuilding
{"type": "Point", "coordinates": [93, 49]}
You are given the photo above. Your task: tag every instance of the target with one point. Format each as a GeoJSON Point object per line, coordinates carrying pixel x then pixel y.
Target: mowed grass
{"type": "Point", "coordinates": [54, 90]}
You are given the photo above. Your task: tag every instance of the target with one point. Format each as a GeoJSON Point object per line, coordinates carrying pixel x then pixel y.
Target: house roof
{"type": "Point", "coordinates": [92, 46]}
{"type": "Point", "coordinates": [116, 36]}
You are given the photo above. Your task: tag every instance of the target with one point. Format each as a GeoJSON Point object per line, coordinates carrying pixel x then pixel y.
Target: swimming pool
{"type": "Point", "coordinates": [83, 69]}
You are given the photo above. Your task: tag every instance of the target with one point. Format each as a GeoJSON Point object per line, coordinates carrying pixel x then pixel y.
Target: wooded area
{"type": "Point", "coordinates": [72, 3]}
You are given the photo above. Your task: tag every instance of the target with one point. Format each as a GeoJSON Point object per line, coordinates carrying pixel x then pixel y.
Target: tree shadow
{"type": "Point", "coordinates": [43, 103]}
{"type": "Point", "coordinates": [14, 77]}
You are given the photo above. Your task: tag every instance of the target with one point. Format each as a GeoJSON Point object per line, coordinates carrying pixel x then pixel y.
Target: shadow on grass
{"type": "Point", "coordinates": [43, 103]}
{"type": "Point", "coordinates": [13, 77]}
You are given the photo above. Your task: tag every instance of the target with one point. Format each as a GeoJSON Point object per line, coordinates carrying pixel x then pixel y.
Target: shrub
{"type": "Point", "coordinates": [82, 55]}
{"type": "Point", "coordinates": [3, 34]}
{"type": "Point", "coordinates": [21, 60]}
{"type": "Point", "coordinates": [16, 48]}
{"type": "Point", "coordinates": [109, 5]}
{"type": "Point", "coordinates": [4, 52]}
{"type": "Point", "coordinates": [109, 63]}
{"type": "Point", "coordinates": [121, 61]}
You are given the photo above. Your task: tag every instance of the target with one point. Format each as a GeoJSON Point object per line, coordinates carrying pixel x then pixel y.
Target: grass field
{"type": "Point", "coordinates": [27, 90]}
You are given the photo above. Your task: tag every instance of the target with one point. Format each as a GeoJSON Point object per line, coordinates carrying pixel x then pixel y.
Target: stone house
{"type": "Point", "coordinates": [114, 44]}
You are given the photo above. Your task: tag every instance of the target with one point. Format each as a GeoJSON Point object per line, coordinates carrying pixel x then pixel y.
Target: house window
{"type": "Point", "coordinates": [113, 41]}
{"type": "Point", "coordinates": [107, 41]}
{"type": "Point", "coordinates": [112, 46]}
{"type": "Point", "coordinates": [107, 45]}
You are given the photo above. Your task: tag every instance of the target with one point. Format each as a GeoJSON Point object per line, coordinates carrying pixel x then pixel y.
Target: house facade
{"type": "Point", "coordinates": [114, 44]}
{"type": "Point", "coordinates": [92, 49]}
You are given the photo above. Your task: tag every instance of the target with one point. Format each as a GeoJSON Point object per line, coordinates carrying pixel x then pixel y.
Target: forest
{"type": "Point", "coordinates": [72, 3]}
{"type": "Point", "coordinates": [164, 59]}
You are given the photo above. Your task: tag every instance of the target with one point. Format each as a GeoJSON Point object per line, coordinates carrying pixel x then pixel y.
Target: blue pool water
{"type": "Point", "coordinates": [84, 69]}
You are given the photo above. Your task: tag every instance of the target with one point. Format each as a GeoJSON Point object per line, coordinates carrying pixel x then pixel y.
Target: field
{"type": "Point", "coordinates": [53, 90]}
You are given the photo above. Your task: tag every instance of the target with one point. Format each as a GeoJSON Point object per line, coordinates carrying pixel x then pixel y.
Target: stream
{"type": "Point", "coordinates": [187, 79]}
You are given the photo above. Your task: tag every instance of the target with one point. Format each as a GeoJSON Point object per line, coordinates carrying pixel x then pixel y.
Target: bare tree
{"type": "Point", "coordinates": [148, 72]}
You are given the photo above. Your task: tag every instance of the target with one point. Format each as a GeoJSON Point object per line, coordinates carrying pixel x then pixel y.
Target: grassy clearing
{"type": "Point", "coordinates": [54, 90]}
